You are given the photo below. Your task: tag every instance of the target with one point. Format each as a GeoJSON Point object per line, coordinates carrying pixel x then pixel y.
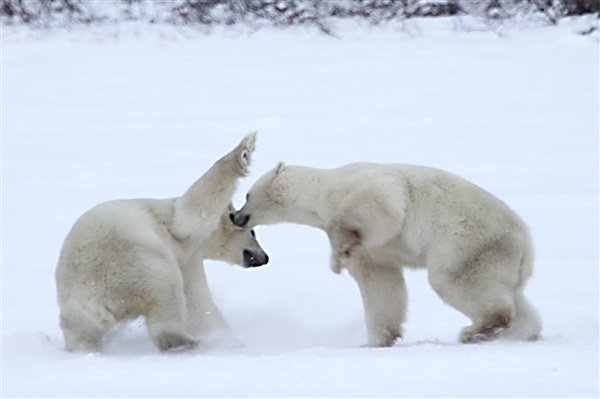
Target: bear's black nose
{"type": "Point", "coordinates": [239, 219]}
{"type": "Point", "coordinates": [254, 259]}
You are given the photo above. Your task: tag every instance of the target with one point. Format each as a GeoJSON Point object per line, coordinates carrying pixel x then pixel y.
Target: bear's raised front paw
{"type": "Point", "coordinates": [346, 250]}
{"type": "Point", "coordinates": [337, 265]}
{"type": "Point", "coordinates": [340, 259]}
{"type": "Point", "coordinates": [245, 150]}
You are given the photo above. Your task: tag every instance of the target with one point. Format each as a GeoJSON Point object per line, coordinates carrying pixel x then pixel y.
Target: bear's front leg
{"type": "Point", "coordinates": [198, 211]}
{"type": "Point", "coordinates": [203, 316]}
{"type": "Point", "coordinates": [343, 243]}
{"type": "Point", "coordinates": [384, 296]}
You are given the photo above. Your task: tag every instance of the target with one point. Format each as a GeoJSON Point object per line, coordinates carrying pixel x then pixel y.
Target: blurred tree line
{"type": "Point", "coordinates": [281, 13]}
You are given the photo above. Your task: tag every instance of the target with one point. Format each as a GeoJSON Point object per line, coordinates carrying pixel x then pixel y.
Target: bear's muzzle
{"type": "Point", "coordinates": [255, 259]}
{"type": "Point", "coordinates": [239, 219]}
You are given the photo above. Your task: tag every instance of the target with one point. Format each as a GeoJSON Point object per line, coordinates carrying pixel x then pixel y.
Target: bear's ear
{"type": "Point", "coordinates": [279, 168]}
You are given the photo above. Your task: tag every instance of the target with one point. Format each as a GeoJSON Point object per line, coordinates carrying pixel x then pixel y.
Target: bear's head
{"type": "Point", "coordinates": [232, 244]}
{"type": "Point", "coordinates": [266, 201]}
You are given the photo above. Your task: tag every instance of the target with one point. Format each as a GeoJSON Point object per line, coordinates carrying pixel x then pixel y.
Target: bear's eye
{"type": "Point", "coordinates": [252, 232]}
{"type": "Point", "coordinates": [247, 196]}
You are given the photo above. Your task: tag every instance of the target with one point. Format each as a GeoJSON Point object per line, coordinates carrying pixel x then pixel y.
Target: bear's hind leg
{"type": "Point", "coordinates": [487, 329]}
{"type": "Point", "coordinates": [169, 341]}
{"type": "Point", "coordinates": [526, 325]}
{"type": "Point", "coordinates": [167, 331]}
{"type": "Point", "coordinates": [83, 332]}
{"type": "Point", "coordinates": [481, 287]}
{"type": "Point", "coordinates": [165, 316]}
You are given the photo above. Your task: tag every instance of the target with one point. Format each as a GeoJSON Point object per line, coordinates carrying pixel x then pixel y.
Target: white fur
{"type": "Point", "coordinates": [477, 251]}
{"type": "Point", "coordinates": [143, 257]}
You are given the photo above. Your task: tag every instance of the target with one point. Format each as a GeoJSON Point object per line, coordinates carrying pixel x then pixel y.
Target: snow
{"type": "Point", "coordinates": [92, 116]}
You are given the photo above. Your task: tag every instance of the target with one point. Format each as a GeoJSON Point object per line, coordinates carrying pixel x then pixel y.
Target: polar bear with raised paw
{"type": "Point", "coordinates": [380, 218]}
{"type": "Point", "coordinates": [144, 257]}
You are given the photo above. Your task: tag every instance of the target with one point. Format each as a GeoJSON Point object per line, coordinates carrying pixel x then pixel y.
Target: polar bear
{"type": "Point", "coordinates": [378, 217]}
{"type": "Point", "coordinates": [143, 257]}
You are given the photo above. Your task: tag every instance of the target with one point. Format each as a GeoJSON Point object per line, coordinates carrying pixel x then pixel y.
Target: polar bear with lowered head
{"type": "Point", "coordinates": [380, 218]}
{"type": "Point", "coordinates": [143, 257]}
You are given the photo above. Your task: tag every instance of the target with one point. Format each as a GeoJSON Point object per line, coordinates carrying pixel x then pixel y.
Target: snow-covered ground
{"type": "Point", "coordinates": [89, 117]}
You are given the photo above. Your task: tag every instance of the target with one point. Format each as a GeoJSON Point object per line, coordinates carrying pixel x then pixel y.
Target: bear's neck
{"type": "Point", "coordinates": [310, 192]}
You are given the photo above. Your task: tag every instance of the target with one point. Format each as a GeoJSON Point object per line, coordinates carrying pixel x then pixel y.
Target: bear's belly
{"type": "Point", "coordinates": [400, 253]}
